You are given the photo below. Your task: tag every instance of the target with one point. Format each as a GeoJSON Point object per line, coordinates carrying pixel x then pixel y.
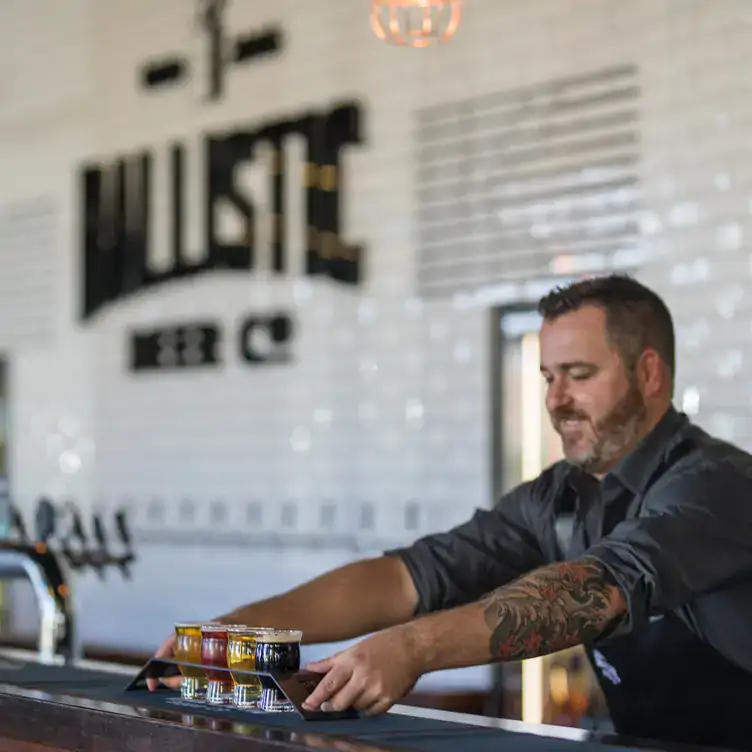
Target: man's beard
{"type": "Point", "coordinates": [615, 433]}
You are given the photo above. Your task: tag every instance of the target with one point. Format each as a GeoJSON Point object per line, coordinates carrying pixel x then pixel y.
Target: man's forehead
{"type": "Point", "coordinates": [579, 335]}
{"type": "Point", "coordinates": [587, 315]}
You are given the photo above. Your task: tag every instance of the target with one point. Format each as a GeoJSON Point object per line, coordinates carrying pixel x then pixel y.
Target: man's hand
{"type": "Point", "coordinates": [166, 650]}
{"type": "Point", "coordinates": [370, 676]}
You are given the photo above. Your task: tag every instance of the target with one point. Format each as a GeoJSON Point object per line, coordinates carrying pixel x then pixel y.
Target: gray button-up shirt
{"type": "Point", "coordinates": [672, 523]}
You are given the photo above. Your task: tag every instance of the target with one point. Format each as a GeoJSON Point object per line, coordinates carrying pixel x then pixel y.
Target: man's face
{"type": "Point", "coordinates": [594, 403]}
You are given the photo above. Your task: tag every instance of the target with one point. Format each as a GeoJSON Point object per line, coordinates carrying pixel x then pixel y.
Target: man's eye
{"type": "Point", "coordinates": [580, 375]}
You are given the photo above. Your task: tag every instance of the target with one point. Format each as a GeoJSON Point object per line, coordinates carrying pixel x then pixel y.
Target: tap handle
{"type": "Point", "coordinates": [99, 533]}
{"type": "Point", "coordinates": [77, 558]}
{"type": "Point", "coordinates": [77, 528]}
{"type": "Point", "coordinates": [125, 560]}
{"type": "Point", "coordinates": [122, 527]}
{"type": "Point", "coordinates": [73, 528]}
{"type": "Point", "coordinates": [45, 520]}
{"type": "Point", "coordinates": [17, 523]}
{"type": "Point", "coordinates": [74, 560]}
{"type": "Point", "coordinates": [97, 558]}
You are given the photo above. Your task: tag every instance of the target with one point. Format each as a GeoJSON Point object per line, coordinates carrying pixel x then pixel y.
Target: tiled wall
{"type": "Point", "coordinates": [243, 480]}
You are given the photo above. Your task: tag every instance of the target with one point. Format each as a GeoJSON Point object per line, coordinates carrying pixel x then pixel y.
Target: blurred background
{"type": "Point", "coordinates": [269, 273]}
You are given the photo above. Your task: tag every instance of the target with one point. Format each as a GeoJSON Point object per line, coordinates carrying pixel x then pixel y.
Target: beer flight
{"type": "Point", "coordinates": [239, 647]}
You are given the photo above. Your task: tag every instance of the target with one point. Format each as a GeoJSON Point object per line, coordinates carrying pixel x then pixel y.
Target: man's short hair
{"type": "Point", "coordinates": [636, 318]}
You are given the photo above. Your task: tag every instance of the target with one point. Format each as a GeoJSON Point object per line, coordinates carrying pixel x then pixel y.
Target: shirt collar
{"type": "Point", "coordinates": [635, 470]}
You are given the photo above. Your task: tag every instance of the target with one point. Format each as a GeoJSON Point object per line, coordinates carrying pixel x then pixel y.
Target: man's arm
{"type": "Point", "coordinates": [346, 602]}
{"type": "Point", "coordinates": [550, 609]}
{"type": "Point", "coordinates": [437, 572]}
{"type": "Point", "coordinates": [692, 538]}
{"type": "Point", "coordinates": [494, 547]}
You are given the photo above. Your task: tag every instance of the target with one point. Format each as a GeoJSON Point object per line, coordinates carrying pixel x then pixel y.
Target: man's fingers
{"type": "Point", "coordinates": [349, 696]}
{"type": "Point", "coordinates": [377, 708]}
{"type": "Point", "coordinates": [165, 650]}
{"type": "Point", "coordinates": [328, 687]}
{"type": "Point", "coordinates": [173, 682]}
{"type": "Point", "coordinates": [321, 667]}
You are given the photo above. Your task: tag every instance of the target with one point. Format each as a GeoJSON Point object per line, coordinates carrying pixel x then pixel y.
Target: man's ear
{"type": "Point", "coordinates": [651, 373]}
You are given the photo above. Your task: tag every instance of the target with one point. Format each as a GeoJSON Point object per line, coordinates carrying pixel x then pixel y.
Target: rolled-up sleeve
{"type": "Point", "coordinates": [693, 535]}
{"type": "Point", "coordinates": [495, 546]}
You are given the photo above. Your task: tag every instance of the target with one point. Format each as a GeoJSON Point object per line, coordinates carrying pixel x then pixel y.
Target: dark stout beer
{"type": "Point", "coordinates": [277, 651]}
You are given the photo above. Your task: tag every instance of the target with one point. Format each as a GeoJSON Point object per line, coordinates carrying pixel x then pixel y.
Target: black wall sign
{"type": "Point", "coordinates": [117, 208]}
{"type": "Point", "coordinates": [261, 339]}
{"type": "Point", "coordinates": [118, 211]}
{"type": "Point", "coordinates": [244, 48]}
{"type": "Point", "coordinates": [183, 346]}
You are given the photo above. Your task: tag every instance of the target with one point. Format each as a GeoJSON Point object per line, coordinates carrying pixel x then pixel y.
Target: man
{"type": "Point", "coordinates": [656, 582]}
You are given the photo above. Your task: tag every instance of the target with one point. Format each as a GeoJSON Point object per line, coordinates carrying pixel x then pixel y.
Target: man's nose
{"type": "Point", "coordinates": [557, 395]}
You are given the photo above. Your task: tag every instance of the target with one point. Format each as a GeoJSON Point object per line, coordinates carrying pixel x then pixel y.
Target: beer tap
{"type": "Point", "coordinates": [44, 521]}
{"type": "Point", "coordinates": [81, 558]}
{"type": "Point", "coordinates": [100, 556]}
{"type": "Point", "coordinates": [127, 558]}
{"type": "Point", "coordinates": [44, 569]}
{"type": "Point", "coordinates": [17, 524]}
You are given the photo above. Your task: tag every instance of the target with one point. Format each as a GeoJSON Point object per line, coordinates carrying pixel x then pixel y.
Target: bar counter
{"type": "Point", "coordinates": [85, 706]}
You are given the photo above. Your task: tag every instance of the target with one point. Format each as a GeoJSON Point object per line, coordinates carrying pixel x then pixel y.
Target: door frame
{"type": "Point", "coordinates": [497, 388]}
{"type": "Point", "coordinates": [495, 705]}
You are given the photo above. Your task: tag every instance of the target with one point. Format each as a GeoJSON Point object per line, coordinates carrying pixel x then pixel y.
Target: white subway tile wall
{"type": "Point", "coordinates": [243, 480]}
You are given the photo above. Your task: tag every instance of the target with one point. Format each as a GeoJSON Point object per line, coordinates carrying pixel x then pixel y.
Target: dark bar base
{"type": "Point", "coordinates": [84, 709]}
{"type": "Point", "coordinates": [54, 727]}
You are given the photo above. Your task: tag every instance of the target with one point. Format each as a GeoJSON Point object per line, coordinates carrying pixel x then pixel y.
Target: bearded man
{"type": "Point", "coordinates": [655, 580]}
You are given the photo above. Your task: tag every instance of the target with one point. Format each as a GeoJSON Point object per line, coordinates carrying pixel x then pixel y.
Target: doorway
{"type": "Point", "coordinates": [5, 530]}
{"type": "Point", "coordinates": [559, 689]}
{"type": "Point", "coordinates": [4, 451]}
{"type": "Point", "coordinates": [528, 442]}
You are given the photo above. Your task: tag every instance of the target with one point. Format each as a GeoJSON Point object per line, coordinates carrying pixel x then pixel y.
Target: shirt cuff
{"type": "Point", "coordinates": [415, 564]}
{"type": "Point", "coordinates": [629, 580]}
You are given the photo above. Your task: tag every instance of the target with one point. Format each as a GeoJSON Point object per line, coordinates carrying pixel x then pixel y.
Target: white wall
{"type": "Point", "coordinates": [387, 400]}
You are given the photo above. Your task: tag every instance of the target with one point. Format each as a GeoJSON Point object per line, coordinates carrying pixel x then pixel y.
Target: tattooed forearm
{"type": "Point", "coordinates": [552, 608]}
{"type": "Point", "coordinates": [547, 610]}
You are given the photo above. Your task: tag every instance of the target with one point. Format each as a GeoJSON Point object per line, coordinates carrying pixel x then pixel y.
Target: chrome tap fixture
{"type": "Point", "coordinates": [48, 567]}
{"type": "Point", "coordinates": [50, 582]}
{"type": "Point", "coordinates": [46, 573]}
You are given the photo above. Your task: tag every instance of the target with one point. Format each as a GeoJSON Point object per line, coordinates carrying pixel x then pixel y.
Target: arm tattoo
{"type": "Point", "coordinates": [552, 608]}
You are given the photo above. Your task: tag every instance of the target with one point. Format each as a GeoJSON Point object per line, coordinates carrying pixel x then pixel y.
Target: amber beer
{"type": "Point", "coordinates": [214, 654]}
{"type": "Point", "coordinates": [241, 655]}
{"type": "Point", "coordinates": [277, 651]}
{"type": "Point", "coordinates": [188, 648]}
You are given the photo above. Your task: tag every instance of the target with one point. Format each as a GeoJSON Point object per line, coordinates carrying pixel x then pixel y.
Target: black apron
{"type": "Point", "coordinates": [661, 682]}
{"type": "Point", "coordinates": [665, 683]}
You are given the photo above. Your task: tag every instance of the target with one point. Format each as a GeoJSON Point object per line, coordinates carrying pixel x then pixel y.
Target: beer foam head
{"type": "Point", "coordinates": [279, 635]}
{"type": "Point", "coordinates": [218, 629]}
{"type": "Point", "coordinates": [244, 628]}
{"type": "Point", "coordinates": [183, 627]}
